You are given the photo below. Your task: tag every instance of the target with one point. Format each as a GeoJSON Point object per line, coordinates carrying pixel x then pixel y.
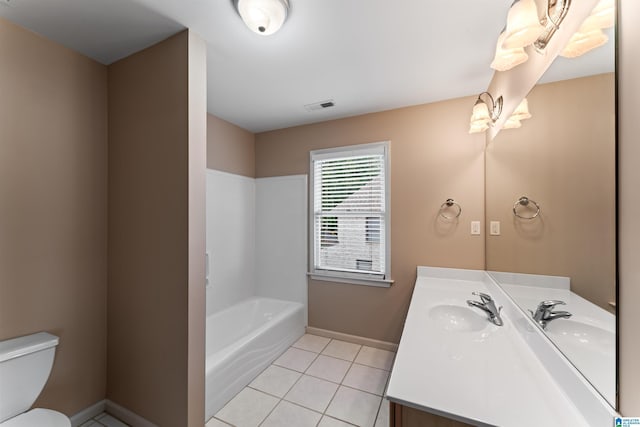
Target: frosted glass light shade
{"type": "Point", "coordinates": [478, 127]}
{"type": "Point", "coordinates": [263, 17]}
{"type": "Point", "coordinates": [522, 111]}
{"type": "Point", "coordinates": [523, 25]}
{"type": "Point", "coordinates": [506, 59]}
{"type": "Point", "coordinates": [602, 16]}
{"type": "Point", "coordinates": [511, 123]}
{"type": "Point", "coordinates": [581, 43]}
{"type": "Point", "coordinates": [480, 118]}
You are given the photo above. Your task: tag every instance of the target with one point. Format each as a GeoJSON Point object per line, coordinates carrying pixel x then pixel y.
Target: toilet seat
{"type": "Point", "coordinates": [38, 417]}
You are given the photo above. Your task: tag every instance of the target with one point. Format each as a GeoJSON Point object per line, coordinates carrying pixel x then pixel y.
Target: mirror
{"type": "Point", "coordinates": [563, 160]}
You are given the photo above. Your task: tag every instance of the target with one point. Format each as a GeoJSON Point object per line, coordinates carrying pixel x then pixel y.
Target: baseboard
{"type": "Point", "coordinates": [127, 416]}
{"type": "Point", "coordinates": [88, 413]}
{"type": "Point", "coordinates": [120, 412]}
{"type": "Point", "coordinates": [382, 345]}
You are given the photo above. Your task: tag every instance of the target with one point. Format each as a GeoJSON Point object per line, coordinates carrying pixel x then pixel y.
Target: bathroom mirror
{"type": "Point", "coordinates": [558, 171]}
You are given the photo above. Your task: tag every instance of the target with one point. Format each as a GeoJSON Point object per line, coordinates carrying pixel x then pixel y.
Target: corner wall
{"type": "Point", "coordinates": [53, 209]}
{"type": "Point", "coordinates": [230, 148]}
{"type": "Point", "coordinates": [433, 158]}
{"type": "Point", "coordinates": [157, 154]}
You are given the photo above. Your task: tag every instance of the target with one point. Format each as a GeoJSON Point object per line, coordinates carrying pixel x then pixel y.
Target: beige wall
{"type": "Point", "coordinates": [432, 158]}
{"type": "Point", "coordinates": [53, 209]}
{"type": "Point", "coordinates": [230, 148]}
{"type": "Point", "coordinates": [156, 200]}
{"type": "Point", "coordinates": [564, 159]}
{"type": "Point", "coordinates": [629, 207]}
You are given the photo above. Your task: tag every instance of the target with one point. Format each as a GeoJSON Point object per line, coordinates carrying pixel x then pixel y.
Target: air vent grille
{"type": "Point", "coordinates": [322, 105]}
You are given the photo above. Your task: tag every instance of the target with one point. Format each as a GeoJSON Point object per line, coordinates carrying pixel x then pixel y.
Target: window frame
{"type": "Point", "coordinates": [343, 276]}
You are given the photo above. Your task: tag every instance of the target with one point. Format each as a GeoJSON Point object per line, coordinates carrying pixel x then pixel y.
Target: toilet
{"type": "Point", "coordinates": [25, 365]}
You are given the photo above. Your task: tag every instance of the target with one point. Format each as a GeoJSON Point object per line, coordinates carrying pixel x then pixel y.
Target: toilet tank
{"type": "Point", "coordinates": [25, 365]}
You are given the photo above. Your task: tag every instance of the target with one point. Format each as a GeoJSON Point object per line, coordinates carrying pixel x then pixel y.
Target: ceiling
{"type": "Point", "coordinates": [365, 55]}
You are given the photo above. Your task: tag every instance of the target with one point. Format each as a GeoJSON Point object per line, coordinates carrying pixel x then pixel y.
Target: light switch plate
{"type": "Point", "coordinates": [475, 228]}
{"type": "Point", "coordinates": [494, 228]}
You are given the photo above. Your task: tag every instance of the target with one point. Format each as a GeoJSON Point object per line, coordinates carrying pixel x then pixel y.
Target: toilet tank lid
{"type": "Point", "coordinates": [16, 347]}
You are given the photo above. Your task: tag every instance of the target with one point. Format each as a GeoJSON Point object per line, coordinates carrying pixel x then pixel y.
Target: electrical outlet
{"type": "Point", "coordinates": [475, 228]}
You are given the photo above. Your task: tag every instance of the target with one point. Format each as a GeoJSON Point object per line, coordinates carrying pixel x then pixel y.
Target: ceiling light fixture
{"type": "Point", "coordinates": [483, 115]}
{"type": "Point", "coordinates": [506, 59]}
{"type": "Point", "coordinates": [263, 17]}
{"type": "Point", "coordinates": [523, 24]}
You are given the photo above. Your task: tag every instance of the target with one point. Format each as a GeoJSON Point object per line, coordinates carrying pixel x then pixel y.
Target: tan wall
{"type": "Point", "coordinates": [155, 259]}
{"type": "Point", "coordinates": [230, 148]}
{"type": "Point", "coordinates": [629, 207]}
{"type": "Point", "coordinates": [53, 197]}
{"type": "Point", "coordinates": [564, 159]}
{"type": "Point", "coordinates": [432, 158]}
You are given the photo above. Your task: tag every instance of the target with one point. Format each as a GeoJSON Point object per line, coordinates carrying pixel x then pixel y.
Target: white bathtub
{"type": "Point", "coordinates": [243, 340]}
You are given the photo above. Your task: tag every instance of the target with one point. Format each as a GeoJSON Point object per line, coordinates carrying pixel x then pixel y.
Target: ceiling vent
{"type": "Point", "coordinates": [322, 105]}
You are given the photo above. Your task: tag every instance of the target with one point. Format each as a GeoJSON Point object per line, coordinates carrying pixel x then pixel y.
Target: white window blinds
{"type": "Point", "coordinates": [350, 211]}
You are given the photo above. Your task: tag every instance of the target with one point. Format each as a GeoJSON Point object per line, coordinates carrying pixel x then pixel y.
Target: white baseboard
{"type": "Point", "coordinates": [88, 413]}
{"type": "Point", "coordinates": [382, 345]}
{"type": "Point", "coordinates": [127, 416]}
{"type": "Point", "coordinates": [120, 412]}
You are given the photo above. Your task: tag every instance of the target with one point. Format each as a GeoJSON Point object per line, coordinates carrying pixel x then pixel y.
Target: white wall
{"type": "Point", "coordinates": [256, 238]}
{"type": "Point", "coordinates": [230, 239]}
{"type": "Point", "coordinates": [281, 238]}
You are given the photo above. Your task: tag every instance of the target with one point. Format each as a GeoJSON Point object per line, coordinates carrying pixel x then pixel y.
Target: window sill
{"type": "Point", "coordinates": [326, 277]}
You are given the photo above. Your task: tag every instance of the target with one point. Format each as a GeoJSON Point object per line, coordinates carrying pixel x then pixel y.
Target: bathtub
{"type": "Point", "coordinates": [243, 340]}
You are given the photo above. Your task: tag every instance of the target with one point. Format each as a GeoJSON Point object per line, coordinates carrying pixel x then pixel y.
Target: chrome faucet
{"type": "Point", "coordinates": [545, 314]}
{"type": "Point", "coordinates": [487, 304]}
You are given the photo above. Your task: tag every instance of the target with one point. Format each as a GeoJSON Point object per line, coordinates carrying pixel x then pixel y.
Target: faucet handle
{"type": "Point", "coordinates": [550, 304]}
{"type": "Point", "coordinates": [484, 297]}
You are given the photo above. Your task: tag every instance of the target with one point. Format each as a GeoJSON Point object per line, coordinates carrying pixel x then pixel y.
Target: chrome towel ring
{"type": "Point", "coordinates": [524, 201]}
{"type": "Point", "coordinates": [450, 204]}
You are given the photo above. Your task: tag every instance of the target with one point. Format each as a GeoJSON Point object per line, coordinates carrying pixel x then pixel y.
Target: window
{"type": "Point", "coordinates": [350, 200]}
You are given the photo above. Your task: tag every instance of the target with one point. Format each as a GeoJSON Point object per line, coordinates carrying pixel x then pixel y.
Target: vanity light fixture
{"type": "Point", "coordinates": [506, 59]}
{"type": "Point", "coordinates": [582, 42]}
{"type": "Point", "coordinates": [590, 34]}
{"type": "Point", "coordinates": [523, 25]}
{"type": "Point", "coordinates": [263, 17]}
{"type": "Point", "coordinates": [483, 115]}
{"type": "Point", "coordinates": [556, 12]}
{"type": "Point", "coordinates": [481, 118]}
{"type": "Point", "coordinates": [522, 111]}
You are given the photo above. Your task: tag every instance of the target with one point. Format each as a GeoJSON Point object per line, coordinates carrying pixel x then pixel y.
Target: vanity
{"type": "Point", "coordinates": [456, 367]}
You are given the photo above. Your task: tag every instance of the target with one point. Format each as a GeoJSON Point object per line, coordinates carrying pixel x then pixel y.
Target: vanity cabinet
{"type": "Point", "coordinates": [405, 416]}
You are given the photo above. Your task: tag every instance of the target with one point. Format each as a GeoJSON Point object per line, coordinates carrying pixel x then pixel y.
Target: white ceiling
{"type": "Point", "coordinates": [366, 55]}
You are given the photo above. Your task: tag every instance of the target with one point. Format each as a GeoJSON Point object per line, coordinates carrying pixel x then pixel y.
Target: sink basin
{"type": "Point", "coordinates": [581, 335]}
{"type": "Point", "coordinates": [457, 318]}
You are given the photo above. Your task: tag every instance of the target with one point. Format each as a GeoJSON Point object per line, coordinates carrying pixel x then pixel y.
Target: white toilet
{"type": "Point", "coordinates": [25, 365]}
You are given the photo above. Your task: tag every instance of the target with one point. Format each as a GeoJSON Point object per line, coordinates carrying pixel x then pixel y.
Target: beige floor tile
{"type": "Point", "coordinates": [312, 393]}
{"type": "Point", "coordinates": [342, 350]}
{"type": "Point", "coordinates": [248, 408]}
{"type": "Point", "coordinates": [375, 358]}
{"type": "Point", "coordinates": [288, 414]}
{"type": "Point", "coordinates": [329, 368]}
{"type": "Point", "coordinates": [312, 343]}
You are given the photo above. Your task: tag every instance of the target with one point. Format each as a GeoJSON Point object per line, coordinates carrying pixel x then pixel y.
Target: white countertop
{"type": "Point", "coordinates": [487, 377]}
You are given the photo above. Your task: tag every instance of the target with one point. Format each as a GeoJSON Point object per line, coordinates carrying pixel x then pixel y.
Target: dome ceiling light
{"type": "Point", "coordinates": [263, 17]}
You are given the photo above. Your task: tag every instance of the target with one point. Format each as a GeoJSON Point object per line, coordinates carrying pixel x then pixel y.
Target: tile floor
{"type": "Point", "coordinates": [103, 420]}
{"type": "Point", "coordinates": [319, 382]}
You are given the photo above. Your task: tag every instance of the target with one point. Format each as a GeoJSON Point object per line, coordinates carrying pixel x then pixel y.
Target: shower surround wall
{"type": "Point", "coordinates": [256, 239]}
